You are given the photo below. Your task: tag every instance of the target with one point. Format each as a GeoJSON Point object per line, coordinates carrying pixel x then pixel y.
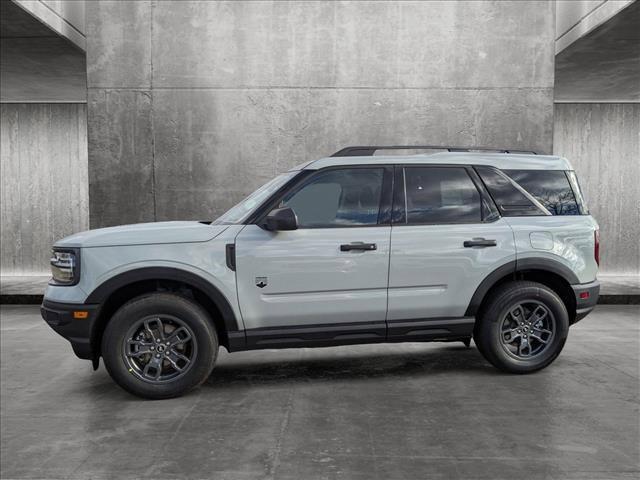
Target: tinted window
{"type": "Point", "coordinates": [510, 200]}
{"type": "Point", "coordinates": [440, 195]}
{"type": "Point", "coordinates": [549, 187]}
{"type": "Point", "coordinates": [336, 198]}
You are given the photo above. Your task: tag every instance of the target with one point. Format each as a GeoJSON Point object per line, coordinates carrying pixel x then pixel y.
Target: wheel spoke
{"type": "Point", "coordinates": [540, 339]}
{"type": "Point", "coordinates": [178, 336]}
{"type": "Point", "coordinates": [524, 344]}
{"type": "Point", "coordinates": [175, 358]}
{"type": "Point", "coordinates": [156, 365]}
{"type": "Point", "coordinates": [517, 313]}
{"type": "Point", "coordinates": [511, 335]}
{"type": "Point", "coordinates": [543, 331]}
{"type": "Point", "coordinates": [154, 324]}
{"type": "Point", "coordinates": [541, 334]}
{"type": "Point", "coordinates": [539, 313]}
{"type": "Point", "coordinates": [138, 348]}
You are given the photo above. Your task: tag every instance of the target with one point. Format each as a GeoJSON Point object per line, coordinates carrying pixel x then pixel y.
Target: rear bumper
{"type": "Point", "coordinates": [60, 317]}
{"type": "Point", "coordinates": [586, 298]}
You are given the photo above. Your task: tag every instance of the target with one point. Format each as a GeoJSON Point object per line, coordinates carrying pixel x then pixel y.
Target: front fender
{"type": "Point", "coordinates": [101, 294]}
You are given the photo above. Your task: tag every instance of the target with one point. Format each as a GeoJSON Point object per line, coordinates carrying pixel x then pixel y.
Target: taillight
{"type": "Point", "coordinates": [596, 246]}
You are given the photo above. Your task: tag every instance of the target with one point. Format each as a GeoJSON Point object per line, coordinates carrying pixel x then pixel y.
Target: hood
{"type": "Point", "coordinates": [143, 234]}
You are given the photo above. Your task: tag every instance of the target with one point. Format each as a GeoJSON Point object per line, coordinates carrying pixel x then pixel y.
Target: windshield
{"type": "Point", "coordinates": [238, 213]}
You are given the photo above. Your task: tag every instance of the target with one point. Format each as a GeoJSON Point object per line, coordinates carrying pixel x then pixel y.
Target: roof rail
{"type": "Point", "coordinates": [368, 151]}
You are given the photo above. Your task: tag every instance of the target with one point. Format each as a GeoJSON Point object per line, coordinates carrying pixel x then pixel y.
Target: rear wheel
{"type": "Point", "coordinates": [522, 328]}
{"type": "Point", "coordinates": [159, 346]}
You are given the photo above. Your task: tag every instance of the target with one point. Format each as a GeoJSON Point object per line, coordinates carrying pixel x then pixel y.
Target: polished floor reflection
{"type": "Point", "coordinates": [405, 411]}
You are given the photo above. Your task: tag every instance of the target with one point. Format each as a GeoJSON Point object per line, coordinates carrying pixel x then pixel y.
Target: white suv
{"type": "Point", "coordinates": [355, 248]}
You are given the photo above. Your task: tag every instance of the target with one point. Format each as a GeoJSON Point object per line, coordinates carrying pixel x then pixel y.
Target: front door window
{"type": "Point", "coordinates": [342, 197]}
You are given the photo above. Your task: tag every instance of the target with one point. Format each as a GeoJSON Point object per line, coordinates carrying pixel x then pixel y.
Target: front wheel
{"type": "Point", "coordinates": [159, 345]}
{"type": "Point", "coordinates": [522, 328]}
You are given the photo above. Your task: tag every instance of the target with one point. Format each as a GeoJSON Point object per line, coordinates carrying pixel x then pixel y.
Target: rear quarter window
{"type": "Point", "coordinates": [550, 187]}
{"type": "Point", "coordinates": [510, 200]}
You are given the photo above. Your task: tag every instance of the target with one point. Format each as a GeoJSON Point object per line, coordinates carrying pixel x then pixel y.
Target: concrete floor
{"type": "Point", "coordinates": [407, 411]}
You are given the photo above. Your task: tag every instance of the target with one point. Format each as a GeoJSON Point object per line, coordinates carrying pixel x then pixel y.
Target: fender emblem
{"type": "Point", "coordinates": [261, 282]}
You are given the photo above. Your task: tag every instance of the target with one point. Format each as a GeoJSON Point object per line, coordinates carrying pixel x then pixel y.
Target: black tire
{"type": "Point", "coordinates": [183, 323]}
{"type": "Point", "coordinates": [503, 340]}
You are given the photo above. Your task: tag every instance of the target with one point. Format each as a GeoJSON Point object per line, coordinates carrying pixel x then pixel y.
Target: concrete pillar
{"type": "Point", "coordinates": [43, 182]}
{"type": "Point", "coordinates": [194, 104]}
{"type": "Point", "coordinates": [602, 141]}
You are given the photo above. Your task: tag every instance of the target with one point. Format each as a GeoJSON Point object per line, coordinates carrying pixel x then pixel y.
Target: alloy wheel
{"type": "Point", "coordinates": [527, 329]}
{"type": "Point", "coordinates": [159, 348]}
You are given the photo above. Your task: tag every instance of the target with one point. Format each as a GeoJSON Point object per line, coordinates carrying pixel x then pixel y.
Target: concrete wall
{"type": "Point", "coordinates": [37, 64]}
{"type": "Point", "coordinates": [41, 70]}
{"type": "Point", "coordinates": [603, 143]}
{"type": "Point", "coordinates": [44, 193]}
{"type": "Point", "coordinates": [603, 66]}
{"type": "Point", "coordinates": [576, 18]}
{"type": "Point", "coordinates": [193, 104]}
{"type": "Point", "coordinates": [65, 17]}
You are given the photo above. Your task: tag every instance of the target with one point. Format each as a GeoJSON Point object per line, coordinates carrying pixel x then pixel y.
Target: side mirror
{"type": "Point", "coordinates": [281, 219]}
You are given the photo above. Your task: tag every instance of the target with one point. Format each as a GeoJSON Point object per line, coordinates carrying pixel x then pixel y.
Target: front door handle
{"type": "Point", "coordinates": [347, 247]}
{"type": "Point", "coordinates": [479, 242]}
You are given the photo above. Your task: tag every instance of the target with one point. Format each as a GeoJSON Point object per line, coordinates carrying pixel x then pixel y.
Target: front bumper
{"type": "Point", "coordinates": [66, 320]}
{"type": "Point", "coordinates": [586, 298]}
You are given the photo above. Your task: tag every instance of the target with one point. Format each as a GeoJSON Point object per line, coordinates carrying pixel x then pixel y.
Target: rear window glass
{"type": "Point", "coordinates": [550, 187]}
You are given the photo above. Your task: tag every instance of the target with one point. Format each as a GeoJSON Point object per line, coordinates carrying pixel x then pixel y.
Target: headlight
{"type": "Point", "coordinates": [65, 266]}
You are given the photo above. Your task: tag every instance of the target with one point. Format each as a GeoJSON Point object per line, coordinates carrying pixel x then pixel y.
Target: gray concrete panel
{"type": "Point", "coordinates": [242, 90]}
{"type": "Point", "coordinates": [120, 157]}
{"type": "Point", "coordinates": [603, 143]}
{"type": "Point", "coordinates": [353, 44]}
{"type": "Point", "coordinates": [213, 147]}
{"type": "Point", "coordinates": [44, 189]}
{"type": "Point", "coordinates": [119, 52]}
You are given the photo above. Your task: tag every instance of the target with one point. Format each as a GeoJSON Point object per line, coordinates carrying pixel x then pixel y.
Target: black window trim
{"type": "Point", "coordinates": [399, 209]}
{"type": "Point", "coordinates": [384, 213]}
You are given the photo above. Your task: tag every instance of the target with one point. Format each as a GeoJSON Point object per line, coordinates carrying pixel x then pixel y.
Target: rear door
{"type": "Point", "coordinates": [446, 238]}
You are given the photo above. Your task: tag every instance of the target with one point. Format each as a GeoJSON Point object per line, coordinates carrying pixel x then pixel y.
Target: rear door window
{"type": "Point", "coordinates": [440, 195]}
{"type": "Point", "coordinates": [550, 187]}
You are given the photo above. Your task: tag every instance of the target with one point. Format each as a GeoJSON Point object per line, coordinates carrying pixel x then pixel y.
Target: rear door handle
{"type": "Point", "coordinates": [347, 247]}
{"type": "Point", "coordinates": [479, 242]}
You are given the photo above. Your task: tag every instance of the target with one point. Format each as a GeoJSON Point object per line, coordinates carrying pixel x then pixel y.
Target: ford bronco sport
{"type": "Point", "coordinates": [494, 245]}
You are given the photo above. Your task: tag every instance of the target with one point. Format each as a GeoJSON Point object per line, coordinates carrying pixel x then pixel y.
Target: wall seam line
{"type": "Point", "coordinates": [153, 130]}
{"type": "Point", "coordinates": [332, 87]}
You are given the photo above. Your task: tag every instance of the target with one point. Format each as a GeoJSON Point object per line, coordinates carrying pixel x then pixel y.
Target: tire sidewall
{"type": "Point", "coordinates": [160, 304]}
{"type": "Point", "coordinates": [502, 306]}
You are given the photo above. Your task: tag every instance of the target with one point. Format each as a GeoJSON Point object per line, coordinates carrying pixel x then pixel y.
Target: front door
{"type": "Point", "coordinates": [329, 275]}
